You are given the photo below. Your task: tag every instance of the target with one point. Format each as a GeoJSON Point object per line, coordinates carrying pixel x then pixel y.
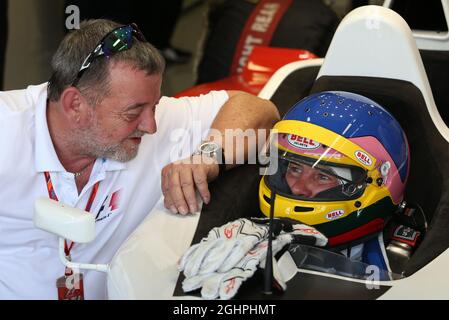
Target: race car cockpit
{"type": "Point", "coordinates": [373, 53]}
{"type": "Point", "coordinates": [377, 58]}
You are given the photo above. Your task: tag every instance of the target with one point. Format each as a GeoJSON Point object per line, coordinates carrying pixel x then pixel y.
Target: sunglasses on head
{"type": "Point", "coordinates": [119, 39]}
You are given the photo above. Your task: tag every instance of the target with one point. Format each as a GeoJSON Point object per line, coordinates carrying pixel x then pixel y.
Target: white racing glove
{"type": "Point", "coordinates": [223, 248]}
{"type": "Point", "coordinates": [231, 253]}
{"type": "Point", "coordinates": [304, 234]}
{"type": "Point", "coordinates": [224, 285]}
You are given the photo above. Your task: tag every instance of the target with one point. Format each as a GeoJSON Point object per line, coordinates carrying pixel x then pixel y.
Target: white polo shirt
{"type": "Point", "coordinates": [29, 262]}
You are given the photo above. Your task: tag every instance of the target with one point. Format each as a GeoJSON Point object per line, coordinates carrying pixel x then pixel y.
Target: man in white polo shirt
{"type": "Point", "coordinates": [81, 139]}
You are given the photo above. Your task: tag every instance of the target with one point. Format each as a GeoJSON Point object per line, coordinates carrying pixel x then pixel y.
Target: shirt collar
{"type": "Point", "coordinates": [46, 158]}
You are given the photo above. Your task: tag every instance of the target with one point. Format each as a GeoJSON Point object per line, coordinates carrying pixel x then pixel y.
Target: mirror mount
{"type": "Point", "coordinates": [68, 223]}
{"type": "Point", "coordinates": [79, 266]}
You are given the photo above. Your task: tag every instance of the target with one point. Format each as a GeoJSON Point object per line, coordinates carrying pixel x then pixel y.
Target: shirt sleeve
{"type": "Point", "coordinates": [184, 122]}
{"type": "Point", "coordinates": [16, 101]}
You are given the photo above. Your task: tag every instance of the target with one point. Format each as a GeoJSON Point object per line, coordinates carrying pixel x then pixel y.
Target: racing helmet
{"type": "Point", "coordinates": [342, 162]}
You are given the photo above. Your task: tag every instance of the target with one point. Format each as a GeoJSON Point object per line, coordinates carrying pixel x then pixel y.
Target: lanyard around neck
{"type": "Point", "coordinates": [53, 196]}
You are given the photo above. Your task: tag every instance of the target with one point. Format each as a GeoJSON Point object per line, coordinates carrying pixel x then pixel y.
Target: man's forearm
{"type": "Point", "coordinates": [243, 124]}
{"type": "Point", "coordinates": [240, 128]}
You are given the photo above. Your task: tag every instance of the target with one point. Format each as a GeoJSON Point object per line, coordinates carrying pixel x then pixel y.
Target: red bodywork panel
{"type": "Point", "coordinates": [262, 63]}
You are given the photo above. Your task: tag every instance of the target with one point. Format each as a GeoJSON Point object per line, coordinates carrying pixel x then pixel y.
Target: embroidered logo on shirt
{"type": "Point", "coordinates": [114, 200]}
{"type": "Point", "coordinates": [109, 206]}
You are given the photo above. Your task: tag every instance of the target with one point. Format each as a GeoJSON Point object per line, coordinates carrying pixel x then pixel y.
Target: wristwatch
{"type": "Point", "coordinates": [213, 150]}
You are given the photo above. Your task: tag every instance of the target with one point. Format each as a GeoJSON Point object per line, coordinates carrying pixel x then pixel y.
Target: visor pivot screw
{"type": "Point", "coordinates": [385, 168]}
{"type": "Point", "coordinates": [402, 206]}
{"type": "Point", "coordinates": [379, 181]}
{"type": "Point", "coordinates": [357, 204]}
{"type": "Point", "coordinates": [369, 180]}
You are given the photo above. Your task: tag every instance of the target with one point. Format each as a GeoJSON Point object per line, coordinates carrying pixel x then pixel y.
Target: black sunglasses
{"type": "Point", "coordinates": [119, 39]}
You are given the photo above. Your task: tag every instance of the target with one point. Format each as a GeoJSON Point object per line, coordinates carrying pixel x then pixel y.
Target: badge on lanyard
{"type": "Point", "coordinates": [70, 286]}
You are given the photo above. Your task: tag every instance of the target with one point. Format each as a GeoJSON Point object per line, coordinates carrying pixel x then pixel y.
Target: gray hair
{"type": "Point", "coordinates": [95, 82]}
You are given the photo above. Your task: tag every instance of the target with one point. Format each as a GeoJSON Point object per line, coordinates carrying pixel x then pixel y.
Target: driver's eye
{"type": "Point", "coordinates": [324, 177]}
{"type": "Point", "coordinates": [295, 169]}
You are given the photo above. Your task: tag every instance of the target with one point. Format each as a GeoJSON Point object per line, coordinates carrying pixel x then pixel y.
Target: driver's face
{"type": "Point", "coordinates": [306, 181]}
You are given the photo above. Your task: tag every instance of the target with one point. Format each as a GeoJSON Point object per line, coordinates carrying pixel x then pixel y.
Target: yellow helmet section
{"type": "Point", "coordinates": [329, 138]}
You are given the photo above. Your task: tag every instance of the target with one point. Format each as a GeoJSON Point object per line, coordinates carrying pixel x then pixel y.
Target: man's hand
{"type": "Point", "coordinates": [180, 181]}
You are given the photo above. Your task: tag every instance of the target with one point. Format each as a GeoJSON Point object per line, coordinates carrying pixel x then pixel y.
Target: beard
{"type": "Point", "coordinates": [123, 151]}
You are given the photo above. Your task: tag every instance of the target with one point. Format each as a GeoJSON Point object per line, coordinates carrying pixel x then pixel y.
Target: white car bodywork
{"type": "Point", "coordinates": [146, 265]}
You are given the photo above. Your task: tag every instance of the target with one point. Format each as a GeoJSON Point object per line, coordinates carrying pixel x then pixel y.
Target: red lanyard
{"type": "Point", "coordinates": [52, 195]}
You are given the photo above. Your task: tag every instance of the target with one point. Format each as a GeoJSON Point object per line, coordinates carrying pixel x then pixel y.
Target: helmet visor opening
{"type": "Point", "coordinates": [318, 174]}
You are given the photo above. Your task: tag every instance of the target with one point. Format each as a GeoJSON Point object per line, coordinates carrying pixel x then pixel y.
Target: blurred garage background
{"type": "Point", "coordinates": [37, 26]}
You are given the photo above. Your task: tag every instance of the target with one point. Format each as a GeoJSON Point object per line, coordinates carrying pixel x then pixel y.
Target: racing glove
{"type": "Point", "coordinates": [223, 248]}
{"type": "Point", "coordinates": [224, 285]}
{"type": "Point", "coordinates": [231, 253]}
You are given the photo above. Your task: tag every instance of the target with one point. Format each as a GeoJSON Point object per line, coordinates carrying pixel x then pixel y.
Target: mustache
{"type": "Point", "coordinates": [137, 134]}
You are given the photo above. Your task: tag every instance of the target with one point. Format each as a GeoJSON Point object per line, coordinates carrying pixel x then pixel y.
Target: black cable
{"type": "Point", "coordinates": [268, 285]}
